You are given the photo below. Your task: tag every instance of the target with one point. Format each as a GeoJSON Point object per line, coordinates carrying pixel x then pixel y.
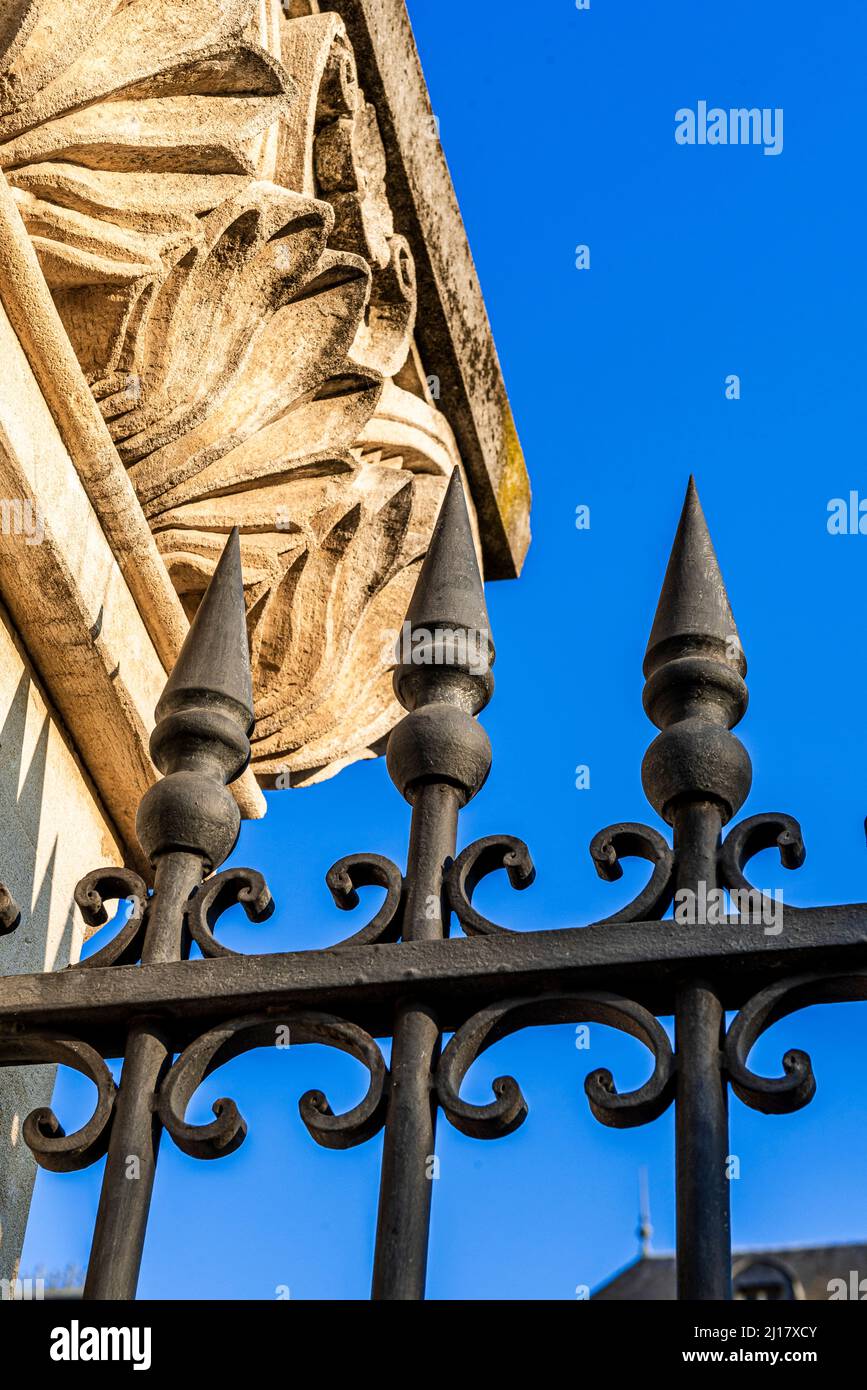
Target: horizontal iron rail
{"type": "Point", "coordinates": [645, 961]}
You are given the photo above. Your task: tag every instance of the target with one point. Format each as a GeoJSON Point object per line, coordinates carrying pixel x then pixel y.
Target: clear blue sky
{"type": "Point", "coordinates": [558, 126]}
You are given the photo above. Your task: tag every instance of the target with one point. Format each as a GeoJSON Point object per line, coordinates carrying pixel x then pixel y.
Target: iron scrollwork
{"type": "Point", "coordinates": [217, 894]}
{"type": "Point", "coordinates": [474, 863]}
{"type": "Point", "coordinates": [247, 888]}
{"type": "Point", "coordinates": [356, 871]}
{"type": "Point", "coordinates": [631, 840]}
{"type": "Point", "coordinates": [91, 895]}
{"type": "Point", "coordinates": [781, 1095]}
{"type": "Point", "coordinates": [607, 849]}
{"type": "Point", "coordinates": [769, 830]}
{"type": "Point", "coordinates": [509, 1110]}
{"type": "Point", "coordinates": [227, 1131]}
{"type": "Point", "coordinates": [42, 1132]}
{"type": "Point", "coordinates": [697, 776]}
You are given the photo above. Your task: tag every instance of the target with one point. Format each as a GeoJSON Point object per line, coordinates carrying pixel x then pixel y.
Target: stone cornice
{"type": "Point", "coordinates": [452, 328]}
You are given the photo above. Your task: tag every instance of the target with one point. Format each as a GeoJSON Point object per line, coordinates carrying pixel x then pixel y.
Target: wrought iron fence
{"type": "Point", "coordinates": [174, 1020]}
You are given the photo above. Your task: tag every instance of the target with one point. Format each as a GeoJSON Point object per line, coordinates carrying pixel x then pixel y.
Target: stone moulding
{"type": "Point", "coordinates": [218, 297]}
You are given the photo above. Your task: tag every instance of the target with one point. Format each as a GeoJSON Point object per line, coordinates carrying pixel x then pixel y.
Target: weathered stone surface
{"type": "Point", "coordinates": [208, 194]}
{"type": "Point", "coordinates": [453, 332]}
{"type": "Point", "coordinates": [52, 824]}
{"type": "Point", "coordinates": [79, 569]}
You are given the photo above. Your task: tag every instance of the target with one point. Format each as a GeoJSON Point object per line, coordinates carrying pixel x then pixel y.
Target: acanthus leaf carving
{"type": "Point", "coordinates": [205, 188]}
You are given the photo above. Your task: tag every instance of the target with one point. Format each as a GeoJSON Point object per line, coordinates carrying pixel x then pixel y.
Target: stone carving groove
{"type": "Point", "coordinates": [204, 184]}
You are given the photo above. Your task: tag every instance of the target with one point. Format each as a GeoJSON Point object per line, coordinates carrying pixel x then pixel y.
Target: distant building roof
{"type": "Point", "coordinates": [775, 1275]}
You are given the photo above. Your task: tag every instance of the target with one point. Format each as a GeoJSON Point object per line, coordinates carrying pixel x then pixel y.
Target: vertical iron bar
{"type": "Point", "coordinates": [438, 757]}
{"type": "Point", "coordinates": [403, 1220]}
{"type": "Point", "coordinates": [127, 1184]}
{"type": "Point", "coordinates": [187, 824]}
{"type": "Point", "coordinates": [697, 774]}
{"type": "Point", "coordinates": [701, 1126]}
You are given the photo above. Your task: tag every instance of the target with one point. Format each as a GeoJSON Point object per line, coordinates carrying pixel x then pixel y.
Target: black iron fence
{"type": "Point", "coordinates": [173, 1020]}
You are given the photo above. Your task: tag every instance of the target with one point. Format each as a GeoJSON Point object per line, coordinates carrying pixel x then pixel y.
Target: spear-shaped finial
{"type": "Point", "coordinates": [215, 657]}
{"type": "Point", "coordinates": [204, 718]}
{"type": "Point", "coordinates": [446, 639]}
{"type": "Point", "coordinates": [694, 669]}
{"type": "Point", "coordinates": [449, 587]}
{"type": "Point", "coordinates": [445, 655]}
{"type": "Point", "coordinates": [693, 605]}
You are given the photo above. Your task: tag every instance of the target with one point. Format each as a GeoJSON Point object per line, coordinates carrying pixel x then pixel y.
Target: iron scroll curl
{"type": "Point", "coordinates": [765, 831]}
{"type": "Point", "coordinates": [509, 1109]}
{"type": "Point", "coordinates": [477, 861]}
{"type": "Point", "coordinates": [781, 1095]}
{"type": "Point", "coordinates": [91, 895]}
{"type": "Point", "coordinates": [247, 888]}
{"type": "Point", "coordinates": [608, 848]}
{"type": "Point", "coordinates": [42, 1132]}
{"type": "Point", "coordinates": [231, 887]}
{"type": "Point", "coordinates": [227, 1131]}
{"type": "Point", "coordinates": [632, 840]}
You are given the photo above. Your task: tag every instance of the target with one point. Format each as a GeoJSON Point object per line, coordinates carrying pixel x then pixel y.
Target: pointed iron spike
{"type": "Point", "coordinates": [443, 673]}
{"type": "Point", "coordinates": [214, 661]}
{"type": "Point", "coordinates": [449, 590]}
{"type": "Point", "coordinates": [203, 721]}
{"type": "Point", "coordinates": [445, 651]}
{"type": "Point", "coordinates": [694, 689]}
{"type": "Point", "coordinates": [693, 608]}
